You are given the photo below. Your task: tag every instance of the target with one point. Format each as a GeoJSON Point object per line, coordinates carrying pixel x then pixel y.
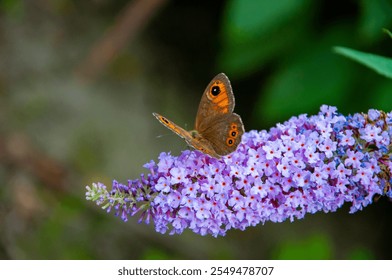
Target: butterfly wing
{"type": "Point", "coordinates": [215, 120]}
{"type": "Point", "coordinates": [223, 132]}
{"type": "Point", "coordinates": [217, 100]}
{"type": "Point", "coordinates": [193, 138]}
{"type": "Point", "coordinates": [218, 130]}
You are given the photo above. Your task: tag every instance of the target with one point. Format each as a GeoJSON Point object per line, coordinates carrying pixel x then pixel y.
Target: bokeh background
{"type": "Point", "coordinates": [80, 79]}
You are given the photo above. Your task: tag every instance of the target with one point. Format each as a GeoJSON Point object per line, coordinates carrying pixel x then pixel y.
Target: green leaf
{"type": "Point", "coordinates": [380, 64]}
{"type": "Point", "coordinates": [387, 31]}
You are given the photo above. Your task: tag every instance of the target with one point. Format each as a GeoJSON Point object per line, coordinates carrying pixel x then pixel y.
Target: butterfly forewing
{"type": "Point", "coordinates": [193, 138]}
{"type": "Point", "coordinates": [217, 99]}
{"type": "Point", "coordinates": [173, 127]}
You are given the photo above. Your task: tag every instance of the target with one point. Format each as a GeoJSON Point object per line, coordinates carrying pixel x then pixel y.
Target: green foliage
{"type": "Point", "coordinates": [382, 96]}
{"type": "Point", "coordinates": [375, 14]}
{"type": "Point", "coordinates": [315, 247]}
{"type": "Point", "coordinates": [13, 7]}
{"type": "Point", "coordinates": [63, 235]}
{"type": "Point", "coordinates": [360, 253]}
{"type": "Point", "coordinates": [253, 32]}
{"type": "Point", "coordinates": [388, 32]}
{"type": "Point", "coordinates": [314, 76]}
{"type": "Point", "coordinates": [381, 65]}
{"type": "Point", "coordinates": [155, 254]}
{"type": "Point", "coordinates": [291, 40]}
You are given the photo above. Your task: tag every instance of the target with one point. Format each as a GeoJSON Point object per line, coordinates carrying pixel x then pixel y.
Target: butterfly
{"type": "Point", "coordinates": [218, 130]}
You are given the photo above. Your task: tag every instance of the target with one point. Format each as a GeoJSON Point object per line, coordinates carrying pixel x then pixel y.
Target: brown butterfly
{"type": "Point", "coordinates": [218, 130]}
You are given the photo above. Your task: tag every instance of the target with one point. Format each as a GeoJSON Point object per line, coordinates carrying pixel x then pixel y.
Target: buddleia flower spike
{"type": "Point", "coordinates": [305, 165]}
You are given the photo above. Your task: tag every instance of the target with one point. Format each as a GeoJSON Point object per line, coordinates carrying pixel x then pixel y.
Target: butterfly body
{"type": "Point", "coordinates": [218, 130]}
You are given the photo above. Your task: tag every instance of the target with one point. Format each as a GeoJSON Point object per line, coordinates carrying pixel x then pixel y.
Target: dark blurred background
{"type": "Point", "coordinates": [80, 79]}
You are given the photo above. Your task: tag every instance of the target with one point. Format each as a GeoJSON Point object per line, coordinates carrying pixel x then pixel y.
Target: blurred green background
{"type": "Point", "coordinates": [80, 79]}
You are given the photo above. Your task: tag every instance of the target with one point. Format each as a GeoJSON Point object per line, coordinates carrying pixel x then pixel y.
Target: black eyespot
{"type": "Point", "coordinates": [230, 142]}
{"type": "Point", "coordinates": [215, 90]}
{"type": "Point", "coordinates": [234, 133]}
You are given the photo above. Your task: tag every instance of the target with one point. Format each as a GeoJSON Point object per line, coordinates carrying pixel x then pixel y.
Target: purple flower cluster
{"type": "Point", "coordinates": [305, 165]}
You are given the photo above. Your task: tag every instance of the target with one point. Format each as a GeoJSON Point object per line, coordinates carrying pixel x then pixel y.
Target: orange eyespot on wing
{"type": "Point", "coordinates": [230, 141]}
{"type": "Point", "coordinates": [233, 134]}
{"type": "Point", "coordinates": [219, 97]}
